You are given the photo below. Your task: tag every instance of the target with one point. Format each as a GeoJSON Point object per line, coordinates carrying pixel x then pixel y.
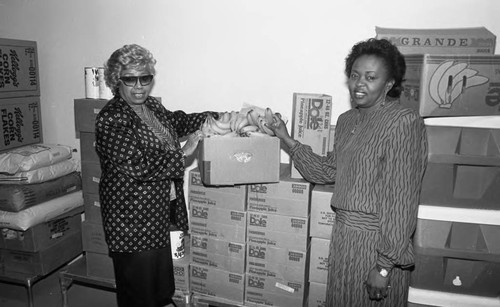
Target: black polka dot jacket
{"type": "Point", "coordinates": [137, 171]}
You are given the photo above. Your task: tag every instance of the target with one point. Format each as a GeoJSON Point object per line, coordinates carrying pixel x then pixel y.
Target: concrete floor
{"type": "Point", "coordinates": [47, 293]}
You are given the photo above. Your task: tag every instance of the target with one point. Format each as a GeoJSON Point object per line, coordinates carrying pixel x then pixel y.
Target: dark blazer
{"type": "Point", "coordinates": [137, 172]}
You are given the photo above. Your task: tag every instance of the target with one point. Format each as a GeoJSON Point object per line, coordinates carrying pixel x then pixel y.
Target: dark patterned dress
{"type": "Point", "coordinates": [137, 174]}
{"type": "Point", "coordinates": [377, 165]}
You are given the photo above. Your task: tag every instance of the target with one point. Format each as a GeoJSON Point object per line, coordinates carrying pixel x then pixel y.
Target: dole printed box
{"type": "Point", "coordinates": [322, 216]}
{"type": "Point", "coordinates": [270, 291]}
{"type": "Point", "coordinates": [224, 255]}
{"type": "Point", "coordinates": [318, 267]}
{"type": "Point", "coordinates": [285, 263]}
{"type": "Point", "coordinates": [217, 283]}
{"type": "Point", "coordinates": [287, 197]}
{"type": "Point", "coordinates": [452, 85]}
{"type": "Point", "coordinates": [311, 117]}
{"type": "Point", "coordinates": [227, 197]}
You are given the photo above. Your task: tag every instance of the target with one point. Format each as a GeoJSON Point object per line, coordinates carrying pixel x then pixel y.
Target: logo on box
{"type": "Point", "coordinates": [255, 220]}
{"type": "Point", "coordinates": [258, 188]}
{"type": "Point", "coordinates": [199, 273]}
{"type": "Point", "coordinates": [257, 251]}
{"type": "Point", "coordinates": [200, 212]}
{"type": "Point", "coordinates": [255, 282]}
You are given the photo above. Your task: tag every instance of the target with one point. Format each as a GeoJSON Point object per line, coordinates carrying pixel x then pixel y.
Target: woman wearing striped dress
{"type": "Point", "coordinates": [377, 164]}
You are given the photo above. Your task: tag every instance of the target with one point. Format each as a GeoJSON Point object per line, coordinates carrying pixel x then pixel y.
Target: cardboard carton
{"type": "Point", "coordinates": [224, 255]}
{"type": "Point", "coordinates": [92, 207]}
{"type": "Point", "coordinates": [225, 197]}
{"type": "Point", "coordinates": [87, 147]}
{"type": "Point", "coordinates": [461, 186]}
{"type": "Point", "coordinates": [317, 295]}
{"type": "Point", "coordinates": [91, 176]}
{"type": "Point", "coordinates": [272, 291]}
{"type": "Point", "coordinates": [86, 111]}
{"type": "Point", "coordinates": [440, 41]}
{"type": "Point", "coordinates": [464, 145]}
{"type": "Point", "coordinates": [43, 261]}
{"type": "Point", "coordinates": [322, 215]}
{"type": "Point", "coordinates": [217, 283]}
{"type": "Point", "coordinates": [318, 267]}
{"type": "Point", "coordinates": [287, 197]}
{"type": "Point", "coordinates": [19, 76]}
{"type": "Point", "coordinates": [283, 263]}
{"type": "Point", "coordinates": [21, 122]}
{"type": "Point", "coordinates": [311, 122]}
{"type": "Point", "coordinates": [452, 85]}
{"type": "Point", "coordinates": [44, 235]}
{"type": "Point", "coordinates": [93, 238]}
{"type": "Point", "coordinates": [239, 160]}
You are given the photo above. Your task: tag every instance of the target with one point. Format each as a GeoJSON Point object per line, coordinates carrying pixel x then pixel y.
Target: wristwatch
{"type": "Point", "coordinates": [383, 272]}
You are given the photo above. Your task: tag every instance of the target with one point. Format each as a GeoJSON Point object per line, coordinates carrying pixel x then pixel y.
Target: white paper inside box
{"type": "Point", "coordinates": [239, 160]}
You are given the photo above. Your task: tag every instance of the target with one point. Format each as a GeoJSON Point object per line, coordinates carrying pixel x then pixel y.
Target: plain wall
{"type": "Point", "coordinates": [217, 54]}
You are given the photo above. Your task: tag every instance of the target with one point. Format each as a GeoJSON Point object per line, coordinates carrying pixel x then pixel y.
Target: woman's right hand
{"type": "Point", "coordinates": [279, 128]}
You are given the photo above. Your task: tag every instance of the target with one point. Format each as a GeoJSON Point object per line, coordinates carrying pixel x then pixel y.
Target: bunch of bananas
{"type": "Point", "coordinates": [240, 124]}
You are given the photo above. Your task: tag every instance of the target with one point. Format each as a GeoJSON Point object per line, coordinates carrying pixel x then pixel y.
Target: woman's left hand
{"type": "Point", "coordinates": [377, 285]}
{"type": "Point", "coordinates": [192, 142]}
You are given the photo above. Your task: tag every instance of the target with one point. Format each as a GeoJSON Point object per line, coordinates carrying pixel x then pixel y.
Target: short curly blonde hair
{"type": "Point", "coordinates": [127, 57]}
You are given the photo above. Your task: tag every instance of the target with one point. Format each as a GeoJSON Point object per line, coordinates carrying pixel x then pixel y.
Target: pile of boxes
{"type": "Point", "coordinates": [454, 73]}
{"type": "Point", "coordinates": [44, 244]}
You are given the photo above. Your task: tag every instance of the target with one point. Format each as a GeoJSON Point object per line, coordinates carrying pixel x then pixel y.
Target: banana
{"type": "Point", "coordinates": [436, 76]}
{"type": "Point", "coordinates": [222, 124]}
{"type": "Point", "coordinates": [445, 85]}
{"type": "Point", "coordinates": [233, 119]}
{"type": "Point", "coordinates": [263, 128]}
{"type": "Point", "coordinates": [269, 116]}
{"type": "Point", "coordinates": [248, 128]}
{"type": "Point", "coordinates": [225, 117]}
{"type": "Point", "coordinates": [256, 134]}
{"type": "Point", "coordinates": [242, 123]}
{"type": "Point", "coordinates": [250, 118]}
{"type": "Point", "coordinates": [237, 122]}
{"type": "Point", "coordinates": [255, 117]}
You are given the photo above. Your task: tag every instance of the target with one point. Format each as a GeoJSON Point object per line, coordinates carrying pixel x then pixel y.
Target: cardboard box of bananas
{"type": "Point", "coordinates": [244, 123]}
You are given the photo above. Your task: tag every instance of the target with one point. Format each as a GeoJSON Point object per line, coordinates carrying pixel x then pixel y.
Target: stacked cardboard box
{"type": "Point", "coordinates": [218, 235]}
{"type": "Point", "coordinates": [20, 113]}
{"type": "Point", "coordinates": [322, 219]}
{"type": "Point", "coordinates": [311, 123]}
{"type": "Point", "coordinates": [278, 242]}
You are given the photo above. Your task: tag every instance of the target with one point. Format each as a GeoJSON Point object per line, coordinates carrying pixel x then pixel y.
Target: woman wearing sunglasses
{"type": "Point", "coordinates": [141, 186]}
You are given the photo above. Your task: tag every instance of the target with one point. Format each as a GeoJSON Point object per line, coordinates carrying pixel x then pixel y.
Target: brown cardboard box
{"type": "Point", "coordinates": [224, 255]}
{"type": "Point", "coordinates": [43, 261]}
{"type": "Point", "coordinates": [322, 215]}
{"type": "Point", "coordinates": [461, 186]}
{"type": "Point", "coordinates": [277, 231]}
{"type": "Point", "coordinates": [464, 145]}
{"type": "Point", "coordinates": [452, 85]}
{"type": "Point", "coordinates": [440, 41]}
{"type": "Point", "coordinates": [93, 238]}
{"type": "Point", "coordinates": [318, 267]}
{"type": "Point", "coordinates": [86, 111]}
{"type": "Point", "coordinates": [331, 138]}
{"type": "Point", "coordinates": [44, 235]}
{"type": "Point", "coordinates": [217, 283]}
{"type": "Point", "coordinates": [239, 160]}
{"type": "Point", "coordinates": [317, 295]}
{"type": "Point", "coordinates": [19, 76]}
{"type": "Point", "coordinates": [271, 291]}
{"type": "Point", "coordinates": [284, 263]}
{"type": "Point", "coordinates": [91, 175]}
{"type": "Point", "coordinates": [224, 197]}
{"type": "Point", "coordinates": [21, 122]}
{"type": "Point", "coordinates": [87, 147]}
{"type": "Point", "coordinates": [311, 117]}
{"type": "Point", "coordinates": [287, 197]}
{"type": "Point", "coordinates": [222, 224]}
{"type": "Point", "coordinates": [92, 207]}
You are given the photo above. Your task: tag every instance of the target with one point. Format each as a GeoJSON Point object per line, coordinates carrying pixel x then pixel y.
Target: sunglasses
{"type": "Point", "coordinates": [132, 80]}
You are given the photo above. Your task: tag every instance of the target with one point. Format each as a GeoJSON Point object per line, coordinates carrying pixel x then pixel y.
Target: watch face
{"type": "Point", "coordinates": [384, 272]}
